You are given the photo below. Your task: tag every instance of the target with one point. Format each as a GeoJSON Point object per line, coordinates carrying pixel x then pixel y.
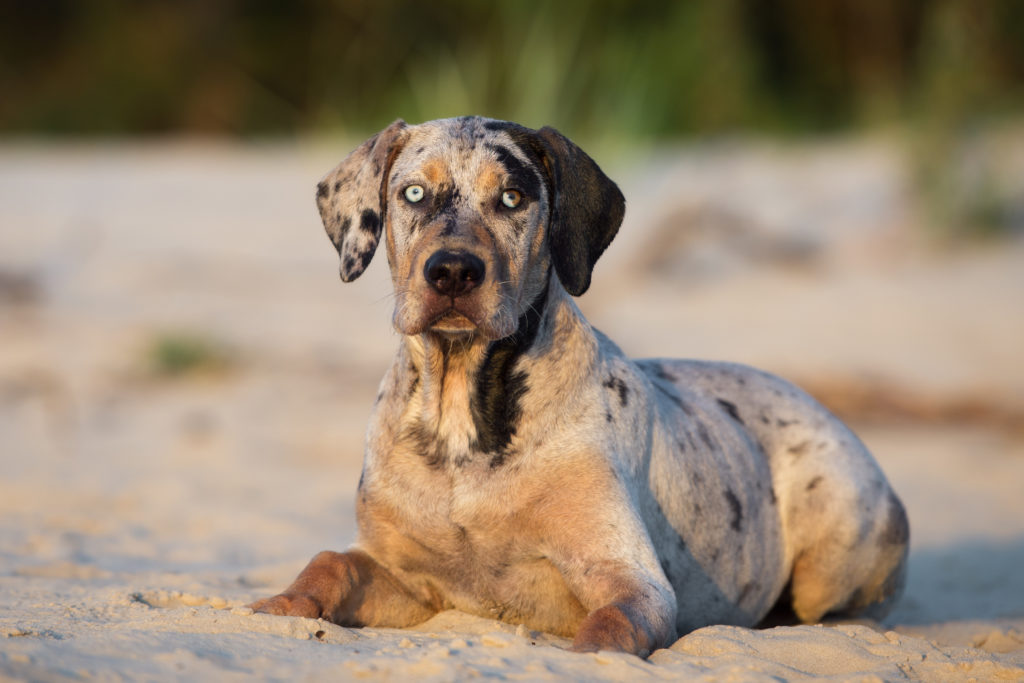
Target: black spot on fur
{"type": "Point", "coordinates": [413, 385]}
{"type": "Point", "coordinates": [736, 522]}
{"type": "Point", "coordinates": [321, 191]}
{"type": "Point", "coordinates": [434, 453]}
{"type": "Point", "coordinates": [364, 259]}
{"type": "Point", "coordinates": [813, 483]}
{"type": "Point", "coordinates": [522, 176]}
{"type": "Point", "coordinates": [343, 230]}
{"type": "Point", "coordinates": [500, 569]}
{"type": "Point", "coordinates": [608, 417]}
{"type": "Point", "coordinates": [705, 436]}
{"type": "Point", "coordinates": [897, 528]}
{"type": "Point", "coordinates": [369, 222]}
{"type": "Point", "coordinates": [498, 459]}
{"type": "Point", "coordinates": [800, 449]}
{"type": "Point", "coordinates": [499, 387]}
{"type": "Point", "coordinates": [618, 385]}
{"type": "Point", "coordinates": [782, 424]}
{"type": "Point", "coordinates": [450, 224]}
{"type": "Point", "coordinates": [731, 409]}
{"type": "Point", "coordinates": [663, 381]}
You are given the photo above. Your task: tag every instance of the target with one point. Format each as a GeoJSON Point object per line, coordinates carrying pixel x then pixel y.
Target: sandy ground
{"type": "Point", "coordinates": [139, 510]}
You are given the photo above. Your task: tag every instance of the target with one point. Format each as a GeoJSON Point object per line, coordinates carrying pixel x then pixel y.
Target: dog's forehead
{"type": "Point", "coordinates": [465, 151]}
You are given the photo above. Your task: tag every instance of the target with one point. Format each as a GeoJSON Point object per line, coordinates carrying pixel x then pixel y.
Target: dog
{"type": "Point", "coordinates": [518, 466]}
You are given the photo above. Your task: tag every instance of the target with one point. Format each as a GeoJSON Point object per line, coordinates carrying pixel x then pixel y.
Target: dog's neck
{"type": "Point", "coordinates": [467, 391]}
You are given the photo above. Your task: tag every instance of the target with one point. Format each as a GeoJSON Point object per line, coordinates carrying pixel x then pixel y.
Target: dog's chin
{"type": "Point", "coordinates": [455, 324]}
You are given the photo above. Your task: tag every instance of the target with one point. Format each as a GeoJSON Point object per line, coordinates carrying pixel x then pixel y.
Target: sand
{"type": "Point", "coordinates": [141, 509]}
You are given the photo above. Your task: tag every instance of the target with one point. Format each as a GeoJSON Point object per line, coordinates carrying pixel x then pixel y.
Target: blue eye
{"type": "Point", "coordinates": [511, 198]}
{"type": "Point", "coordinates": [414, 193]}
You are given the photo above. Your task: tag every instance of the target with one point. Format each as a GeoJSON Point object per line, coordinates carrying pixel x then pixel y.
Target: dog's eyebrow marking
{"type": "Point", "coordinates": [523, 176]}
{"type": "Point", "coordinates": [495, 407]}
{"type": "Point", "coordinates": [444, 199]}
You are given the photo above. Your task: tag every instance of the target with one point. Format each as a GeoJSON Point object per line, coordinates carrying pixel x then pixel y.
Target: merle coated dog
{"type": "Point", "coordinates": [519, 466]}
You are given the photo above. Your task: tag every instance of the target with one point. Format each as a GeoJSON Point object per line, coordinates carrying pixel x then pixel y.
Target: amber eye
{"type": "Point", "coordinates": [414, 193]}
{"type": "Point", "coordinates": [511, 198]}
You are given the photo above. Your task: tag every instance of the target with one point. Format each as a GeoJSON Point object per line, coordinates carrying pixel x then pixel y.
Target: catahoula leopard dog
{"type": "Point", "coordinates": [518, 466]}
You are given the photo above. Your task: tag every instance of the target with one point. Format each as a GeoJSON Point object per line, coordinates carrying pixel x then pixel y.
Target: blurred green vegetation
{"type": "Point", "coordinates": [181, 354]}
{"type": "Point", "coordinates": [609, 73]}
{"type": "Point", "coordinates": [638, 68]}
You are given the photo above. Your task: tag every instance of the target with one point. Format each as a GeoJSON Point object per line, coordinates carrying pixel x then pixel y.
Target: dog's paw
{"type": "Point", "coordinates": [609, 629]}
{"type": "Point", "coordinates": [289, 606]}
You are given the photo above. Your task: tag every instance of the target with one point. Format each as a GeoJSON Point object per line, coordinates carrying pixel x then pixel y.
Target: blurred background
{"type": "Point", "coordinates": [831, 190]}
{"type": "Point", "coordinates": [620, 73]}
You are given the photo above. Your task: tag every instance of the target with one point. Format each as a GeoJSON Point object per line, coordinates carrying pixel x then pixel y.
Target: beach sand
{"type": "Point", "coordinates": [185, 385]}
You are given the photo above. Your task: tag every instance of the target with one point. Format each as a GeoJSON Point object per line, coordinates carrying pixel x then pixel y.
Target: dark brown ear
{"type": "Point", "coordinates": [587, 209]}
{"type": "Point", "coordinates": [351, 199]}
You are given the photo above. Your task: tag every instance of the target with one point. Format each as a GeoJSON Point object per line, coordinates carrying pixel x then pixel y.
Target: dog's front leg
{"type": "Point", "coordinates": [635, 615]}
{"type": "Point", "coordinates": [608, 561]}
{"type": "Point", "coordinates": [349, 589]}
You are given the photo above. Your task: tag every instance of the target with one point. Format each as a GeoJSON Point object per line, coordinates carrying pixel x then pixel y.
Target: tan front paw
{"type": "Point", "coordinates": [608, 628]}
{"type": "Point", "coordinates": [289, 606]}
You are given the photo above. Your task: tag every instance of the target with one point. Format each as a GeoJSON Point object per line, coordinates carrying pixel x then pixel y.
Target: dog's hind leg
{"type": "Point", "coordinates": [833, 578]}
{"type": "Point", "coordinates": [348, 589]}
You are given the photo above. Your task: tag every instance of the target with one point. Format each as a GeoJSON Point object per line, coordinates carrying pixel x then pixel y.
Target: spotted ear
{"type": "Point", "coordinates": [351, 199]}
{"type": "Point", "coordinates": [587, 209]}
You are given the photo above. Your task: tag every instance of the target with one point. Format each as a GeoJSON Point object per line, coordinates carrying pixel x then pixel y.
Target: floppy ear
{"type": "Point", "coordinates": [351, 199]}
{"type": "Point", "coordinates": [587, 209]}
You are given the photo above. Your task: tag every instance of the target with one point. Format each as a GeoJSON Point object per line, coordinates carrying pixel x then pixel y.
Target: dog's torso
{"type": "Point", "coordinates": [710, 458]}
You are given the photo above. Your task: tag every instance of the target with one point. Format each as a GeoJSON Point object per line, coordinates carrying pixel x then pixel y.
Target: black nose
{"type": "Point", "coordinates": [453, 273]}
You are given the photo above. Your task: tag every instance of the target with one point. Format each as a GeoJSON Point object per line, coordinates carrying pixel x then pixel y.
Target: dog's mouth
{"type": "Point", "coordinates": [452, 321]}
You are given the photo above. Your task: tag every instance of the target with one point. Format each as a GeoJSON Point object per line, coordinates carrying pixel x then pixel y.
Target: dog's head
{"type": "Point", "coordinates": [475, 212]}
